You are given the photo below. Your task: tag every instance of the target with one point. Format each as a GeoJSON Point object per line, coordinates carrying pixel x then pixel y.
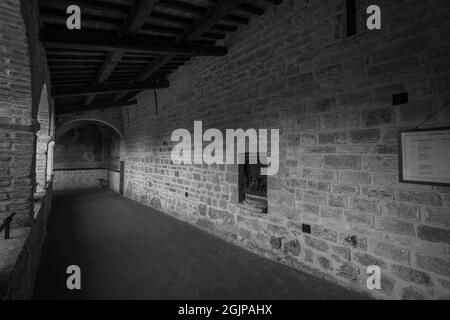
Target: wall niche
{"type": "Point", "coordinates": [252, 186]}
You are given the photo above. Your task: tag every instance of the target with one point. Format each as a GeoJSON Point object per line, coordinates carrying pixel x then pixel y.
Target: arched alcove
{"type": "Point", "coordinates": [78, 122]}
{"type": "Point", "coordinates": [85, 153]}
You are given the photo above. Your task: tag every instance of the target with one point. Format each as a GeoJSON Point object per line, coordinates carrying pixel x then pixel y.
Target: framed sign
{"type": "Point", "coordinates": [425, 156]}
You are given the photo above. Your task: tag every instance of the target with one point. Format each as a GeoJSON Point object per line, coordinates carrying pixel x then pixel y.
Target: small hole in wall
{"type": "Point", "coordinates": [306, 228]}
{"type": "Point", "coordinates": [186, 194]}
{"type": "Point", "coordinates": [400, 98]}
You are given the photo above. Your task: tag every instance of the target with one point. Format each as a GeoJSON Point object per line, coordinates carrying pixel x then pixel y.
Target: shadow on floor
{"type": "Point", "coordinates": [128, 251]}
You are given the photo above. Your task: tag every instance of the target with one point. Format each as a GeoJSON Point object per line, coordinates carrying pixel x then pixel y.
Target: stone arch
{"type": "Point", "coordinates": [77, 122]}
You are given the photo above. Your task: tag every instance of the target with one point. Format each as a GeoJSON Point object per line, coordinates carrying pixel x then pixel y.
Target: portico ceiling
{"type": "Point", "coordinates": [126, 46]}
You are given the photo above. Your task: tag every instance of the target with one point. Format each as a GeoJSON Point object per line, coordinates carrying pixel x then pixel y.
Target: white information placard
{"type": "Point", "coordinates": [425, 156]}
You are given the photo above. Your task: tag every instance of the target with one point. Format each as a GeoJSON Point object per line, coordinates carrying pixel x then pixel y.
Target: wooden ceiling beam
{"type": "Point", "coordinates": [63, 109]}
{"type": "Point", "coordinates": [91, 4]}
{"type": "Point", "coordinates": [135, 21]}
{"type": "Point", "coordinates": [193, 9]}
{"type": "Point", "coordinates": [108, 88]}
{"type": "Point", "coordinates": [89, 41]}
{"type": "Point", "coordinates": [187, 21]}
{"type": "Point", "coordinates": [49, 14]}
{"type": "Point", "coordinates": [182, 6]}
{"type": "Point", "coordinates": [205, 22]}
{"type": "Point", "coordinates": [209, 19]}
{"type": "Point", "coordinates": [247, 8]}
{"type": "Point", "coordinates": [250, 9]}
{"type": "Point", "coordinates": [139, 13]}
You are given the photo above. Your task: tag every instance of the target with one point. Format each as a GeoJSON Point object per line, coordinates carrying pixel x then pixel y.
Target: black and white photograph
{"type": "Point", "coordinates": [224, 156]}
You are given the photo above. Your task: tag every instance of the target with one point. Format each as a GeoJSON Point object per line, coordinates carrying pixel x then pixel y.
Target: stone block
{"type": "Point", "coordinates": [438, 265]}
{"type": "Point", "coordinates": [316, 244]}
{"type": "Point", "coordinates": [368, 260]}
{"type": "Point", "coordinates": [341, 120]}
{"type": "Point", "coordinates": [397, 227]}
{"type": "Point", "coordinates": [310, 161]}
{"type": "Point", "coordinates": [324, 233]}
{"type": "Point", "coordinates": [378, 117]}
{"type": "Point", "coordinates": [339, 137]}
{"type": "Point", "coordinates": [419, 197]}
{"type": "Point", "coordinates": [380, 163]}
{"type": "Point", "coordinates": [292, 247]}
{"type": "Point", "coordinates": [342, 162]}
{"type": "Point", "coordinates": [433, 234]}
{"type": "Point", "coordinates": [349, 271]}
{"type": "Point", "coordinates": [438, 217]}
{"type": "Point", "coordinates": [320, 174]}
{"type": "Point", "coordinates": [390, 251]}
{"type": "Point", "coordinates": [338, 201]}
{"type": "Point", "coordinates": [355, 177]}
{"type": "Point", "coordinates": [315, 197]}
{"type": "Point", "coordinates": [377, 192]}
{"type": "Point", "coordinates": [354, 100]}
{"type": "Point", "coordinates": [412, 275]}
{"type": "Point", "coordinates": [365, 136]}
{"type": "Point", "coordinates": [365, 205]}
{"type": "Point", "coordinates": [358, 218]}
{"type": "Point", "coordinates": [310, 208]}
{"type": "Point", "coordinates": [331, 213]}
{"type": "Point", "coordinates": [411, 293]}
{"type": "Point", "coordinates": [276, 242]}
{"type": "Point", "coordinates": [401, 211]}
{"type": "Point", "coordinates": [325, 263]}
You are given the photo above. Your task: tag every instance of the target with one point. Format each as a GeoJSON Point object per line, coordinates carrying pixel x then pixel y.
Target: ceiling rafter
{"type": "Point", "coordinates": [63, 109]}
{"type": "Point", "coordinates": [108, 88]}
{"type": "Point", "coordinates": [125, 47]}
{"type": "Point", "coordinates": [206, 21]}
{"type": "Point", "coordinates": [136, 19]}
{"type": "Point", "coordinates": [90, 41]}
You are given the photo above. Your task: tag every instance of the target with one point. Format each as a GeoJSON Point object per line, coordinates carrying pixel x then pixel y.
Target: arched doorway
{"type": "Point", "coordinates": [78, 122]}
{"type": "Point", "coordinates": [87, 155]}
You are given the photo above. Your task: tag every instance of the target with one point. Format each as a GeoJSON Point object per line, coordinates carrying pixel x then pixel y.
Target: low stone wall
{"type": "Point", "coordinates": [26, 264]}
{"type": "Point", "coordinates": [9, 252]}
{"type": "Point", "coordinates": [79, 179]}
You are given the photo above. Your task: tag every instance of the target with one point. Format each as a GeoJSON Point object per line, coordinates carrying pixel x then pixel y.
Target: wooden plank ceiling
{"type": "Point", "coordinates": [126, 46]}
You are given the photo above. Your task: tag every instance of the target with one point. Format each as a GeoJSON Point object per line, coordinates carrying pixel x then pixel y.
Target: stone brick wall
{"type": "Point", "coordinates": [79, 179]}
{"type": "Point", "coordinates": [16, 122]}
{"type": "Point", "coordinates": [22, 75]}
{"type": "Point", "coordinates": [331, 96]}
{"type": "Point", "coordinates": [86, 179]}
{"type": "Point", "coordinates": [26, 264]}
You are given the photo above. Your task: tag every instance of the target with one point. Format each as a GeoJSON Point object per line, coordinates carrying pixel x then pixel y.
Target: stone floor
{"type": "Point", "coordinates": [129, 251]}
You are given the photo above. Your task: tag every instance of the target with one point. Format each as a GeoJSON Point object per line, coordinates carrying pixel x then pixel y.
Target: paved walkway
{"type": "Point", "coordinates": [129, 251]}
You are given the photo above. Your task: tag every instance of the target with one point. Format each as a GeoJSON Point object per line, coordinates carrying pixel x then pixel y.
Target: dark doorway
{"type": "Point", "coordinates": [122, 176]}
